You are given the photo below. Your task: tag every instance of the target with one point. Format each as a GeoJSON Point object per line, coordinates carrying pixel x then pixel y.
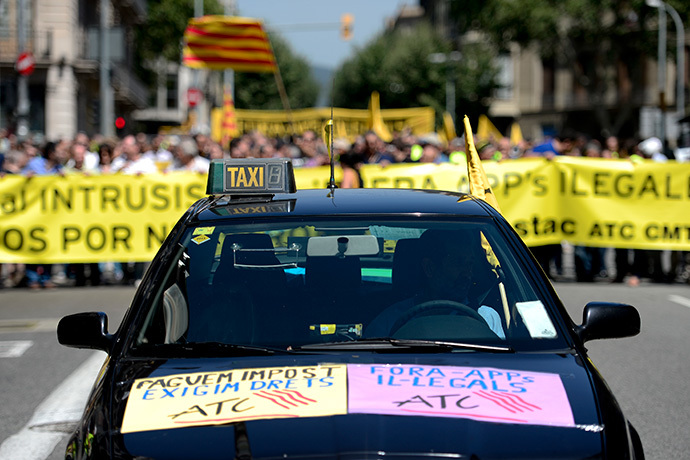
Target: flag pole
{"type": "Point", "coordinates": [283, 94]}
{"type": "Point", "coordinates": [480, 187]}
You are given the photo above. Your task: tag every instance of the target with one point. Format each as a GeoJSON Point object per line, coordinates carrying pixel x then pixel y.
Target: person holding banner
{"type": "Point", "coordinates": [39, 275]}
{"type": "Point", "coordinates": [187, 157]}
{"type": "Point", "coordinates": [132, 160]}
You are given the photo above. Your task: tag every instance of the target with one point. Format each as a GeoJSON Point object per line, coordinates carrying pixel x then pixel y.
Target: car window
{"type": "Point", "coordinates": [300, 282]}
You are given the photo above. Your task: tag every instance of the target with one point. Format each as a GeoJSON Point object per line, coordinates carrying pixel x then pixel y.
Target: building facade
{"type": "Point", "coordinates": [64, 88]}
{"type": "Point", "coordinates": [546, 96]}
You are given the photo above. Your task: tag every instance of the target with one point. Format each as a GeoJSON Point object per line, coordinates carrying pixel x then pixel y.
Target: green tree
{"type": "Point", "coordinates": [603, 43]}
{"type": "Point", "coordinates": [162, 33]}
{"type": "Point", "coordinates": [259, 91]}
{"type": "Point", "coordinates": [397, 65]}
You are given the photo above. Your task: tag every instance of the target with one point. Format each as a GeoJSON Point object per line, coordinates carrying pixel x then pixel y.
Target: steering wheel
{"type": "Point", "coordinates": [443, 305]}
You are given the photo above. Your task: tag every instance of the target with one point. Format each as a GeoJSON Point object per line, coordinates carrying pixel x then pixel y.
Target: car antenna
{"type": "Point", "coordinates": [329, 141]}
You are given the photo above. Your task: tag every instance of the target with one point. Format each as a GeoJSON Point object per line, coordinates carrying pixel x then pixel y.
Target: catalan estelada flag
{"type": "Point", "coordinates": [228, 42]}
{"type": "Point", "coordinates": [229, 123]}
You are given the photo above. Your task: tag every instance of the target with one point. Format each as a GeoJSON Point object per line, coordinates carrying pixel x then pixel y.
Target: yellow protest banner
{"type": "Point", "coordinates": [348, 122]}
{"type": "Point", "coordinates": [587, 201]}
{"type": "Point", "coordinates": [213, 398]}
{"type": "Point", "coordinates": [79, 218]}
{"type": "Point", "coordinates": [591, 202]}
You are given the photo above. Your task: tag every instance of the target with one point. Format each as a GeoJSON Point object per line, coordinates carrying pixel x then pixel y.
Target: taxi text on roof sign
{"type": "Point", "coordinates": [251, 177]}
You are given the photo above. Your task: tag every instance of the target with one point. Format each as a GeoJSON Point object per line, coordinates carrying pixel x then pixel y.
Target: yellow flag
{"type": "Point", "coordinates": [449, 126]}
{"type": "Point", "coordinates": [479, 183]}
{"type": "Point", "coordinates": [229, 123]}
{"type": "Point", "coordinates": [515, 134]}
{"type": "Point", "coordinates": [486, 130]}
{"type": "Point", "coordinates": [479, 187]}
{"type": "Point", "coordinates": [375, 121]}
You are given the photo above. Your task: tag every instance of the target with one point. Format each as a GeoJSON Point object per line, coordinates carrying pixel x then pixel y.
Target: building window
{"type": "Point", "coordinates": [506, 78]}
{"type": "Point", "coordinates": [5, 20]}
{"type": "Point", "coordinates": [171, 100]}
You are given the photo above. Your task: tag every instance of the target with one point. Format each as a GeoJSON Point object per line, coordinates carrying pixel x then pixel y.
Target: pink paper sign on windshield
{"type": "Point", "coordinates": [481, 393]}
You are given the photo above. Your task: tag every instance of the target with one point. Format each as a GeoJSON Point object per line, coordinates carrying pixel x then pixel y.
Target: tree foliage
{"type": "Point", "coordinates": [162, 33]}
{"type": "Point", "coordinates": [603, 43]}
{"type": "Point", "coordinates": [166, 21]}
{"type": "Point", "coordinates": [259, 91]}
{"type": "Point", "coordinates": [397, 65]}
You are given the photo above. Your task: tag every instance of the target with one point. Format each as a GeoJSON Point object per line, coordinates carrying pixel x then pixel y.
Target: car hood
{"type": "Point", "coordinates": [463, 405]}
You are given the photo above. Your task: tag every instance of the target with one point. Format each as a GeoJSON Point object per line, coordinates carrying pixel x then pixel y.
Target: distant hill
{"type": "Point", "coordinates": [323, 76]}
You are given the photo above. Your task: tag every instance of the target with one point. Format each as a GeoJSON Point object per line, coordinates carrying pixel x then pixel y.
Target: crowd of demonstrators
{"type": "Point", "coordinates": [142, 154]}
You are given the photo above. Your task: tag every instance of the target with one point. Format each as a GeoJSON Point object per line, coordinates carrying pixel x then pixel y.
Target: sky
{"type": "Point", "coordinates": [312, 27]}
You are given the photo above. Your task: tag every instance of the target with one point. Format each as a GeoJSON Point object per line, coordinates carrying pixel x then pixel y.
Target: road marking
{"type": "Point", "coordinates": [680, 300]}
{"type": "Point", "coordinates": [14, 348]}
{"type": "Point", "coordinates": [28, 325]}
{"type": "Point", "coordinates": [56, 416]}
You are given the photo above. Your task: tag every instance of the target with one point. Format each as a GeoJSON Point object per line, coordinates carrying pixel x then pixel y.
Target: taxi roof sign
{"type": "Point", "coordinates": [251, 177]}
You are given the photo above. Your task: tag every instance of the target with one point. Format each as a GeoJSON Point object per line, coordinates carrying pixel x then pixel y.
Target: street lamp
{"type": "Point", "coordinates": [680, 53]}
{"type": "Point", "coordinates": [442, 58]}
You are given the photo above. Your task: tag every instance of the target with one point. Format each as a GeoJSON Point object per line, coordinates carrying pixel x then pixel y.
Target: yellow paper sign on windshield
{"type": "Point", "coordinates": [214, 398]}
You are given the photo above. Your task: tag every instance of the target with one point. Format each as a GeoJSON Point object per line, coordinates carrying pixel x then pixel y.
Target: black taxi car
{"type": "Point", "coordinates": [349, 324]}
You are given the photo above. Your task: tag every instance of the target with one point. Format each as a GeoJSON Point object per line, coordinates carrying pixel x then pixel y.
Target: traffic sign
{"type": "Point", "coordinates": [25, 63]}
{"type": "Point", "coordinates": [194, 96]}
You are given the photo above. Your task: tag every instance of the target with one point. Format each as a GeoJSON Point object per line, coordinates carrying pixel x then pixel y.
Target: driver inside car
{"type": "Point", "coordinates": [447, 272]}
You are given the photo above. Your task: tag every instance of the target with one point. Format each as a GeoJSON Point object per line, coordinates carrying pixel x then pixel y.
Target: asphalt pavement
{"type": "Point", "coordinates": [647, 373]}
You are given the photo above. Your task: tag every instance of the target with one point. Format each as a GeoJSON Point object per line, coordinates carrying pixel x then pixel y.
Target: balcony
{"type": "Point", "coordinates": [38, 43]}
{"type": "Point", "coordinates": [128, 88]}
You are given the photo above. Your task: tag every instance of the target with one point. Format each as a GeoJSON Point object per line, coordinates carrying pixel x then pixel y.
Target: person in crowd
{"type": "Point", "coordinates": [611, 148]}
{"type": "Point", "coordinates": [78, 162]}
{"type": "Point", "coordinates": [12, 163]}
{"type": "Point", "coordinates": [313, 149]}
{"type": "Point", "coordinates": [350, 162]}
{"type": "Point", "coordinates": [91, 158]}
{"type": "Point", "coordinates": [132, 160]}
{"type": "Point", "coordinates": [187, 157]}
{"type": "Point", "coordinates": [240, 148]}
{"type": "Point", "coordinates": [40, 275]}
{"type": "Point", "coordinates": [375, 150]}
{"type": "Point", "coordinates": [49, 162]}
{"type": "Point", "coordinates": [432, 150]}
{"type": "Point", "coordinates": [106, 153]}
{"type": "Point", "coordinates": [488, 152]}
{"type": "Point", "coordinates": [15, 161]}
{"type": "Point", "coordinates": [158, 151]}
{"type": "Point", "coordinates": [215, 151]}
{"type": "Point", "coordinates": [504, 148]}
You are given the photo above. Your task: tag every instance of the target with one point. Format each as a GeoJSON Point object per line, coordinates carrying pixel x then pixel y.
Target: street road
{"type": "Point", "coordinates": [44, 385]}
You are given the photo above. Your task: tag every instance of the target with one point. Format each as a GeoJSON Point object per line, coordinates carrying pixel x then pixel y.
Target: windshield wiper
{"type": "Point", "coordinates": [206, 349]}
{"type": "Point", "coordinates": [385, 344]}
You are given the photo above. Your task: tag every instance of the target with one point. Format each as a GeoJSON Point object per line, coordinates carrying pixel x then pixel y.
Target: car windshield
{"type": "Point", "coordinates": [323, 285]}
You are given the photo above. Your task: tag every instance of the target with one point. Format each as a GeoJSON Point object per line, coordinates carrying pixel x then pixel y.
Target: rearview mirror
{"type": "Point", "coordinates": [85, 330]}
{"type": "Point", "coordinates": [606, 320]}
{"type": "Point", "coordinates": [346, 245]}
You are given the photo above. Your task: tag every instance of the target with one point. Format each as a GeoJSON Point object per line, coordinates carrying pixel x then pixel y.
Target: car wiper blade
{"type": "Point", "coordinates": [387, 344]}
{"type": "Point", "coordinates": [208, 349]}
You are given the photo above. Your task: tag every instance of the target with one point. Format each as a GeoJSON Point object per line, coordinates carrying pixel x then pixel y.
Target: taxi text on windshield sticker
{"type": "Point", "coordinates": [212, 398]}
{"type": "Point", "coordinates": [478, 393]}
{"type": "Point", "coordinates": [486, 394]}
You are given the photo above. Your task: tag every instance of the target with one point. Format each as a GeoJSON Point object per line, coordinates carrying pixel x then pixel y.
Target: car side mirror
{"type": "Point", "coordinates": [607, 320]}
{"type": "Point", "coordinates": [85, 330]}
